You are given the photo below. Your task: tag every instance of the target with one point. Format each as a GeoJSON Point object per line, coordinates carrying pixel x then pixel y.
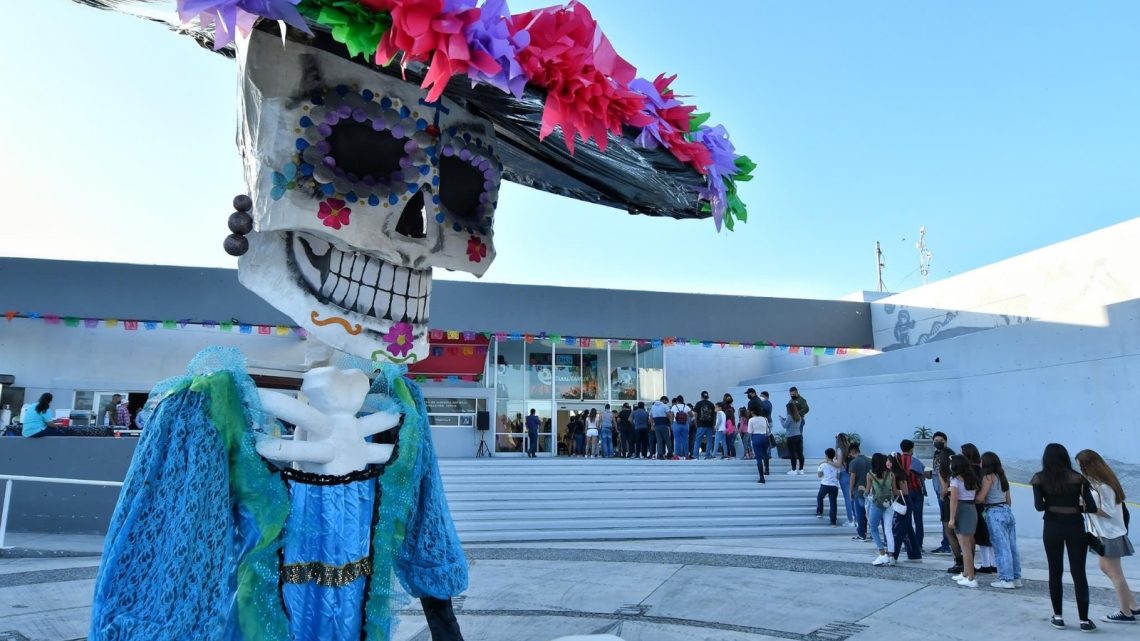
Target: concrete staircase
{"type": "Point", "coordinates": [520, 499]}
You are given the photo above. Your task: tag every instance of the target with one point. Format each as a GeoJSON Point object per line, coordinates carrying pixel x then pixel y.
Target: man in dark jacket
{"type": "Point", "coordinates": [706, 425]}
{"type": "Point", "coordinates": [801, 404]}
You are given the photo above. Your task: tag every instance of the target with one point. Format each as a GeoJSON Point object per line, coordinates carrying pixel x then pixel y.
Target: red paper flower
{"type": "Point", "coordinates": [333, 212]}
{"type": "Point", "coordinates": [587, 83]}
{"type": "Point", "coordinates": [424, 32]}
{"type": "Point", "coordinates": [476, 250]}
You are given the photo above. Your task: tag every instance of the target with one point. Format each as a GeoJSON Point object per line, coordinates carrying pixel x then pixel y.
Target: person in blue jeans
{"type": "Point", "coordinates": [704, 414]}
{"type": "Point", "coordinates": [679, 417]}
{"type": "Point", "coordinates": [607, 429]}
{"type": "Point", "coordinates": [995, 500]}
{"type": "Point", "coordinates": [759, 428]}
{"type": "Point", "coordinates": [828, 473]}
{"type": "Point", "coordinates": [532, 423]}
{"type": "Point", "coordinates": [858, 466]}
{"type": "Point", "coordinates": [842, 445]}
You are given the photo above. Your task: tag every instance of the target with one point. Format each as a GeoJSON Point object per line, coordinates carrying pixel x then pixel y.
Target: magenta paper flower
{"type": "Point", "coordinates": [476, 250]}
{"type": "Point", "coordinates": [399, 339]}
{"type": "Point", "coordinates": [334, 213]}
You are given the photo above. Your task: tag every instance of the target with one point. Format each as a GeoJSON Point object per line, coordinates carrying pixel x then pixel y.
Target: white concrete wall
{"type": "Point", "coordinates": [1011, 390]}
{"type": "Point", "coordinates": [1069, 282]}
{"type": "Point", "coordinates": [692, 368]}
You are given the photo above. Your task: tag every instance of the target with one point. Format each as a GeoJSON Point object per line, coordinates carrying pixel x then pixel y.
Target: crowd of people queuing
{"type": "Point", "coordinates": [884, 494]}
{"type": "Point", "coordinates": [671, 429]}
{"type": "Point", "coordinates": [1082, 510]}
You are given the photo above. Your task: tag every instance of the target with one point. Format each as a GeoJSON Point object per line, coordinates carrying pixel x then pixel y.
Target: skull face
{"type": "Point", "coordinates": [359, 188]}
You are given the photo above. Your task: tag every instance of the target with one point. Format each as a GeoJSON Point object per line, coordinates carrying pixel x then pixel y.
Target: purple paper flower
{"type": "Point", "coordinates": [229, 17]}
{"type": "Point", "coordinates": [652, 136]}
{"type": "Point", "coordinates": [723, 165]}
{"type": "Point", "coordinates": [494, 51]}
{"type": "Point", "coordinates": [399, 339]}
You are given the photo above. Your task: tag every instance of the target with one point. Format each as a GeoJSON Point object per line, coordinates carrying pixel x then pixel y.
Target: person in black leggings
{"type": "Point", "coordinates": [793, 425]}
{"type": "Point", "coordinates": [1063, 495]}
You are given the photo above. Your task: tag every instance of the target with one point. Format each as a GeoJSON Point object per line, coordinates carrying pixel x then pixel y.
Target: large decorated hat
{"type": "Point", "coordinates": [570, 115]}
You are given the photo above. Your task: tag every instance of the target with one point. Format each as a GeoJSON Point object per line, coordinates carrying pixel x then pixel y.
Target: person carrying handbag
{"type": "Point", "coordinates": [1109, 531]}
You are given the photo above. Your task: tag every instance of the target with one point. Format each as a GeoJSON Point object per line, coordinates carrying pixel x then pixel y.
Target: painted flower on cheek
{"type": "Point", "coordinates": [476, 249]}
{"type": "Point", "coordinates": [333, 212]}
{"type": "Point", "coordinates": [399, 339]}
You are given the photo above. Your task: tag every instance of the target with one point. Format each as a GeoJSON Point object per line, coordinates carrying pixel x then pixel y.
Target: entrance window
{"type": "Point", "coordinates": [651, 372]}
{"type": "Point", "coordinates": [623, 371]}
{"type": "Point", "coordinates": [595, 383]}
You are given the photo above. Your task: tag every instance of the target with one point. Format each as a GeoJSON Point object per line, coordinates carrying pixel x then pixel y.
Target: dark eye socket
{"type": "Point", "coordinates": [461, 185]}
{"type": "Point", "coordinates": [360, 151]}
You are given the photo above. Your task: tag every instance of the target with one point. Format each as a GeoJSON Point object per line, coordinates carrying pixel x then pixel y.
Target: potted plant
{"type": "Point", "coordinates": [923, 442]}
{"type": "Point", "coordinates": [781, 440]}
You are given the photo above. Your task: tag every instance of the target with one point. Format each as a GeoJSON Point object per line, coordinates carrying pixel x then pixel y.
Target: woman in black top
{"type": "Point", "coordinates": [1064, 495]}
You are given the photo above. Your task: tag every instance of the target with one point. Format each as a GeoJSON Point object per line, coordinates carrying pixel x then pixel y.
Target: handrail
{"type": "Point", "coordinates": [9, 478]}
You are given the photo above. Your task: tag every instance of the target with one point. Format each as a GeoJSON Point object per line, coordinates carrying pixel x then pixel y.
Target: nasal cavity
{"type": "Point", "coordinates": [411, 223]}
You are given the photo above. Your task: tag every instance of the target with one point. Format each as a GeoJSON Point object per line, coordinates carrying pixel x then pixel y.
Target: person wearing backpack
{"type": "Point", "coordinates": [706, 425]}
{"type": "Point", "coordinates": [679, 416]}
{"type": "Point", "coordinates": [908, 527]}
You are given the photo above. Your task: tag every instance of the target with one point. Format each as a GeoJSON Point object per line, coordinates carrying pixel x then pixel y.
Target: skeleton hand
{"type": "Point", "coordinates": [336, 442]}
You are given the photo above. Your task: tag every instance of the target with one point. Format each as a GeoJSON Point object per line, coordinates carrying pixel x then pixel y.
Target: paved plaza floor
{"type": "Point", "coordinates": [820, 588]}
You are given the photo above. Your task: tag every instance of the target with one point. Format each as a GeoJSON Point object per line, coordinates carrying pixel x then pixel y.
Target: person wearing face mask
{"type": "Point", "coordinates": [941, 476]}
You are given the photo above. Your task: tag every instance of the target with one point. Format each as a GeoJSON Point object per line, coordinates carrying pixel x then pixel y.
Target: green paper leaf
{"type": "Point", "coordinates": [698, 119]}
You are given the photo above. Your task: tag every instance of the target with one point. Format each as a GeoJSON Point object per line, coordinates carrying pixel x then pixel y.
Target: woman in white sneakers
{"type": "Point", "coordinates": [883, 489]}
{"type": "Point", "coordinates": [1109, 525]}
{"type": "Point", "coordinates": [964, 483]}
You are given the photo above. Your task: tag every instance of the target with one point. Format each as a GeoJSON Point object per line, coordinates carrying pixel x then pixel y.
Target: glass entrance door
{"type": "Point", "coordinates": [511, 435]}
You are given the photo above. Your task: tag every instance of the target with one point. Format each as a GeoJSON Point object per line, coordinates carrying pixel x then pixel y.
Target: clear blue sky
{"type": "Point", "coordinates": [1000, 126]}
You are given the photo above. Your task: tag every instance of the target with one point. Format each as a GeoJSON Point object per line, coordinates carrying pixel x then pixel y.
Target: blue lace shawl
{"type": "Point", "coordinates": [193, 547]}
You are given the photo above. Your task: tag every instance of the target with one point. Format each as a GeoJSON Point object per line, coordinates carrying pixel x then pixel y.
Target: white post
{"type": "Point", "coordinates": [4, 512]}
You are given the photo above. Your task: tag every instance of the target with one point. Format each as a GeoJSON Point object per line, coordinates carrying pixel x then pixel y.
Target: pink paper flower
{"type": "Point", "coordinates": [476, 250]}
{"type": "Point", "coordinates": [399, 339]}
{"type": "Point", "coordinates": [587, 83]}
{"type": "Point", "coordinates": [333, 212]}
{"type": "Point", "coordinates": [432, 32]}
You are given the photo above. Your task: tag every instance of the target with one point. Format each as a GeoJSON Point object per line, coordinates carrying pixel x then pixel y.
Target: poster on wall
{"type": "Point", "coordinates": [451, 412]}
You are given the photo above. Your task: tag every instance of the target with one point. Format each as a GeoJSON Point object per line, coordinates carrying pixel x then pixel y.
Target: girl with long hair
{"type": "Point", "coordinates": [841, 447]}
{"type": "Point", "coordinates": [984, 551]}
{"type": "Point", "coordinates": [592, 433]}
{"type": "Point", "coordinates": [964, 484]}
{"type": "Point", "coordinates": [995, 501]}
{"type": "Point", "coordinates": [793, 425]}
{"type": "Point", "coordinates": [883, 489]}
{"type": "Point", "coordinates": [1064, 495]}
{"type": "Point", "coordinates": [37, 421]}
{"type": "Point", "coordinates": [1109, 525]}
{"type": "Point", "coordinates": [730, 431]}
{"type": "Point", "coordinates": [742, 432]}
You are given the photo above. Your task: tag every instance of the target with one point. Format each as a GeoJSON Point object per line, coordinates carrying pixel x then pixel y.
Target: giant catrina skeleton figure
{"type": "Point", "coordinates": [374, 134]}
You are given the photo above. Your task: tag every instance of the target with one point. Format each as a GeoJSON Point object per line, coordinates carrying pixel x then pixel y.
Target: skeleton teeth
{"type": "Point", "coordinates": [399, 307]}
{"type": "Point", "coordinates": [381, 304]}
{"type": "Point", "coordinates": [420, 308]}
{"type": "Point", "coordinates": [414, 285]}
{"type": "Point", "coordinates": [385, 282]}
{"type": "Point", "coordinates": [350, 299]}
{"type": "Point", "coordinates": [371, 272]}
{"type": "Point", "coordinates": [400, 286]}
{"type": "Point", "coordinates": [340, 293]}
{"type": "Point", "coordinates": [358, 268]}
{"type": "Point", "coordinates": [364, 300]}
{"type": "Point", "coordinates": [334, 264]}
{"type": "Point", "coordinates": [330, 284]}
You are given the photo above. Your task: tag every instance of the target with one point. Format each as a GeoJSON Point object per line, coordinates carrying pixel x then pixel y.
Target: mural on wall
{"type": "Point", "coordinates": [911, 326]}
